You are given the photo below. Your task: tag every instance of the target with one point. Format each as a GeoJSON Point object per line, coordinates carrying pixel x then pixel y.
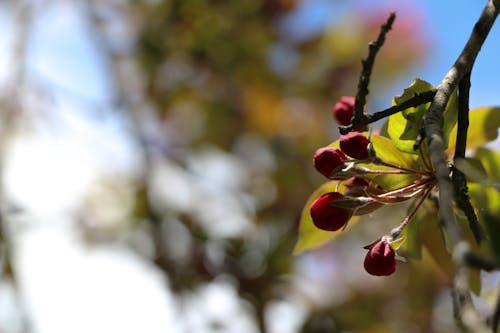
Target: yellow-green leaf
{"type": "Point", "coordinates": [483, 128]}
{"type": "Point", "coordinates": [490, 160]}
{"type": "Point", "coordinates": [386, 150]}
{"type": "Point", "coordinates": [486, 201]}
{"type": "Point", "coordinates": [309, 236]}
{"type": "Point", "coordinates": [403, 127]}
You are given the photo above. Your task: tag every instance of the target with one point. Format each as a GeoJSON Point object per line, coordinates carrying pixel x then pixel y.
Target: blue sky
{"type": "Point", "coordinates": [447, 24]}
{"type": "Point", "coordinates": [451, 23]}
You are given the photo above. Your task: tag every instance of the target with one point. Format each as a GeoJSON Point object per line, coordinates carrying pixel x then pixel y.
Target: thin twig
{"type": "Point", "coordinates": [475, 260]}
{"type": "Point", "coordinates": [367, 66]}
{"type": "Point", "coordinates": [458, 178]}
{"type": "Point", "coordinates": [463, 116]}
{"type": "Point", "coordinates": [418, 99]}
{"type": "Point", "coordinates": [397, 231]}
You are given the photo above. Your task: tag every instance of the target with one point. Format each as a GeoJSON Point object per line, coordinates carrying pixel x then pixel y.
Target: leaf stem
{"type": "Point", "coordinates": [395, 233]}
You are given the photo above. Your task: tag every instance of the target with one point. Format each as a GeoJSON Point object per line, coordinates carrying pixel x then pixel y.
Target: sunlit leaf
{"type": "Point", "coordinates": [310, 236]}
{"type": "Point", "coordinates": [386, 150]}
{"type": "Point", "coordinates": [484, 123]}
{"type": "Point", "coordinates": [490, 160]}
{"type": "Point", "coordinates": [403, 127]}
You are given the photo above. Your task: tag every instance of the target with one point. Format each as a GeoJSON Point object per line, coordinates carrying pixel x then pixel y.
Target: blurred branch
{"type": "Point", "coordinates": [495, 318]}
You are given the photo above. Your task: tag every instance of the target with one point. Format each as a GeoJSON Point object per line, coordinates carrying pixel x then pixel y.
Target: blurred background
{"type": "Point", "coordinates": [155, 156]}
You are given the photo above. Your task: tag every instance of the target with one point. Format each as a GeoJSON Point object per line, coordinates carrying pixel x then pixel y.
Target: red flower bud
{"type": "Point", "coordinates": [356, 182]}
{"type": "Point", "coordinates": [326, 160]}
{"type": "Point", "coordinates": [355, 144]}
{"type": "Point", "coordinates": [343, 110]}
{"type": "Point", "coordinates": [325, 216]}
{"type": "Point", "coordinates": [380, 259]}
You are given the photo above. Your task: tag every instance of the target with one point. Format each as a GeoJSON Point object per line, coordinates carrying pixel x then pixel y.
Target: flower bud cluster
{"type": "Point", "coordinates": [332, 211]}
{"type": "Point", "coordinates": [331, 162]}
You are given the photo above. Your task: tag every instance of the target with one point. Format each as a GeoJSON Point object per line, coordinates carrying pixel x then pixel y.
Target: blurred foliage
{"type": "Point", "coordinates": [241, 94]}
{"type": "Point", "coordinates": [236, 75]}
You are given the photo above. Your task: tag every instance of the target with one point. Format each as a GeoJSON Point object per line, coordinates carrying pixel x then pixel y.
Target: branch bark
{"type": "Point", "coordinates": [433, 129]}
{"type": "Point", "coordinates": [364, 78]}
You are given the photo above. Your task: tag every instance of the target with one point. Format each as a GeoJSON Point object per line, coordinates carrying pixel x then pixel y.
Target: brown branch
{"type": "Point", "coordinates": [458, 178]}
{"type": "Point", "coordinates": [418, 99]}
{"type": "Point", "coordinates": [463, 115]}
{"type": "Point", "coordinates": [367, 66]}
{"type": "Point", "coordinates": [434, 133]}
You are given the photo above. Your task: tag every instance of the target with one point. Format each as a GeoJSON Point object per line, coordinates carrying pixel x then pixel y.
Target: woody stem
{"type": "Point", "coordinates": [396, 232]}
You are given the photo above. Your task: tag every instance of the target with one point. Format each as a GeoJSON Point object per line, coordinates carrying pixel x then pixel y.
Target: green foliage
{"type": "Point", "coordinates": [484, 123]}
{"type": "Point", "coordinates": [396, 151]}
{"type": "Point", "coordinates": [403, 127]}
{"type": "Point", "coordinates": [386, 150]}
{"type": "Point", "coordinates": [485, 197]}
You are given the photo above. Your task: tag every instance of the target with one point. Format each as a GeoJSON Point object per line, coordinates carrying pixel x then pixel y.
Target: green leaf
{"type": "Point", "coordinates": [475, 281]}
{"type": "Point", "coordinates": [386, 150]}
{"type": "Point", "coordinates": [434, 238]}
{"type": "Point", "coordinates": [484, 123]}
{"type": "Point", "coordinates": [472, 168]}
{"type": "Point", "coordinates": [490, 160]}
{"type": "Point", "coordinates": [403, 127]}
{"type": "Point", "coordinates": [413, 234]}
{"type": "Point", "coordinates": [486, 200]}
{"type": "Point", "coordinates": [309, 236]}
{"type": "Point", "coordinates": [450, 117]}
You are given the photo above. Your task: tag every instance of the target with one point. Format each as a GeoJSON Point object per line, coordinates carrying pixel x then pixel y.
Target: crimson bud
{"type": "Point", "coordinates": [343, 110]}
{"type": "Point", "coordinates": [380, 259]}
{"type": "Point", "coordinates": [356, 182]}
{"type": "Point", "coordinates": [327, 217]}
{"type": "Point", "coordinates": [326, 160]}
{"type": "Point", "coordinates": [355, 144]}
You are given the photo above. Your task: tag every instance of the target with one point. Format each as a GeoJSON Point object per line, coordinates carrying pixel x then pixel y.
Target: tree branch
{"type": "Point", "coordinates": [434, 133]}
{"type": "Point", "coordinates": [367, 64]}
{"type": "Point", "coordinates": [418, 99]}
{"type": "Point", "coordinates": [463, 116]}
